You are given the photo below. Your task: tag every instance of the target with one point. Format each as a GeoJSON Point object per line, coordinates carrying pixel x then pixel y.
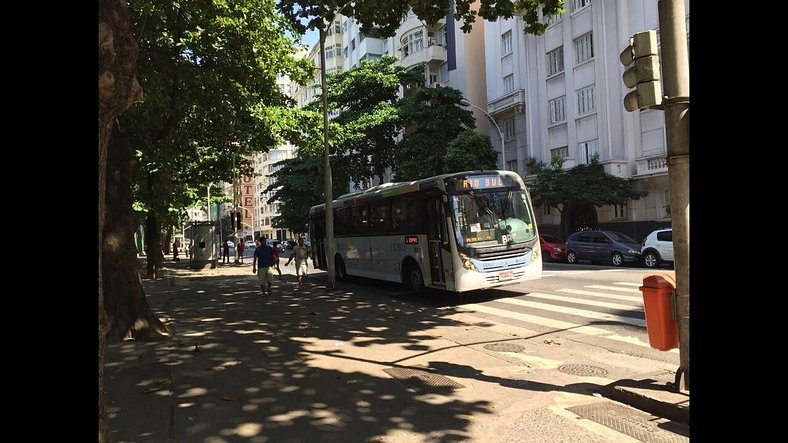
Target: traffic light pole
{"type": "Point", "coordinates": [675, 79]}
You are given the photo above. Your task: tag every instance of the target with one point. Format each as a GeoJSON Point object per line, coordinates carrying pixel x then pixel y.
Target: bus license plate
{"type": "Point", "coordinates": [507, 275]}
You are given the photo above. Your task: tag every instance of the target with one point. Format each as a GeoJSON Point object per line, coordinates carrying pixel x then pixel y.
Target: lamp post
{"type": "Point", "coordinates": [465, 103]}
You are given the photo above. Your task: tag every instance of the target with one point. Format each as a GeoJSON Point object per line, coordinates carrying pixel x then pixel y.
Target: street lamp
{"type": "Point", "coordinates": [465, 103]}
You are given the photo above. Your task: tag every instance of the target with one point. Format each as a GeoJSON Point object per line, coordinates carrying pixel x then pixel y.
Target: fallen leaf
{"type": "Point", "coordinates": [230, 397]}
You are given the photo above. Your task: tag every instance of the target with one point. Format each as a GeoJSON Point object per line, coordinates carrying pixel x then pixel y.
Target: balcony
{"type": "Point", "coordinates": [433, 53]}
{"type": "Point", "coordinates": [652, 165]}
{"type": "Point", "coordinates": [617, 167]}
{"type": "Point", "coordinates": [515, 99]}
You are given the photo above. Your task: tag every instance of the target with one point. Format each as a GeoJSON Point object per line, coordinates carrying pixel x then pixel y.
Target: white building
{"type": "Point", "coordinates": [561, 94]}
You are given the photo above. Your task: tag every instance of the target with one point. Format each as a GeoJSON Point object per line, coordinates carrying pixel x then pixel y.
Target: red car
{"type": "Point", "coordinates": [553, 248]}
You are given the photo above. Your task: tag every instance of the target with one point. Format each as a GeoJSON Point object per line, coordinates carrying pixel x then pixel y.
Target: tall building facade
{"type": "Point", "coordinates": [561, 95]}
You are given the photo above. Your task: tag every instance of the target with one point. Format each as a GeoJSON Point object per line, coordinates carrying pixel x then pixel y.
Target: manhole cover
{"type": "Point", "coordinates": [504, 347]}
{"type": "Point", "coordinates": [634, 423]}
{"type": "Point", "coordinates": [423, 381]}
{"type": "Point", "coordinates": [583, 370]}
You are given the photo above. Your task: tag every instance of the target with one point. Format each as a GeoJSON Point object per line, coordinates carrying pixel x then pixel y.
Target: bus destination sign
{"type": "Point", "coordinates": [482, 182]}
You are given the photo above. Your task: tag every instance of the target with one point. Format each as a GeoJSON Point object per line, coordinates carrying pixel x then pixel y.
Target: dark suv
{"type": "Point", "coordinates": [602, 246]}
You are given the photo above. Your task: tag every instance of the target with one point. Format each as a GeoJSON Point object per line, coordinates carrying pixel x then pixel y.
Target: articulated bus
{"type": "Point", "coordinates": [457, 232]}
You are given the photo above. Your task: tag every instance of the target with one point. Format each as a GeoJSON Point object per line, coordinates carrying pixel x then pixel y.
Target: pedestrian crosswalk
{"type": "Point", "coordinates": [611, 312]}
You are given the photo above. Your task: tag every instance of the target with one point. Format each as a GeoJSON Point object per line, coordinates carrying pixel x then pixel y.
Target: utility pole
{"type": "Point", "coordinates": [327, 185]}
{"type": "Point", "coordinates": [675, 80]}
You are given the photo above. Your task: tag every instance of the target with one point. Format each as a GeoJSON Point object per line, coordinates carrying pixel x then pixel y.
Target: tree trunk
{"type": "Point", "coordinates": [118, 89]}
{"type": "Point", "coordinates": [125, 302]}
{"type": "Point", "coordinates": [155, 256]}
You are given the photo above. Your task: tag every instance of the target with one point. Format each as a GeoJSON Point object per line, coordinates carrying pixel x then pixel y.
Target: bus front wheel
{"type": "Point", "coordinates": [415, 280]}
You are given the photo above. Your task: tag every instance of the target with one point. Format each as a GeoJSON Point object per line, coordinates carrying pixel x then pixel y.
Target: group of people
{"type": "Point", "coordinates": [268, 259]}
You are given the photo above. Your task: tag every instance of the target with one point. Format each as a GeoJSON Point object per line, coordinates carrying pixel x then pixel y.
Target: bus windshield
{"type": "Point", "coordinates": [484, 219]}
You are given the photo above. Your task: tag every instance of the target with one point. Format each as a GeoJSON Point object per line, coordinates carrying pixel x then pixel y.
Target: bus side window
{"type": "Point", "coordinates": [342, 221]}
{"type": "Point", "coordinates": [359, 219]}
{"type": "Point", "coordinates": [380, 218]}
{"type": "Point", "coordinates": [397, 216]}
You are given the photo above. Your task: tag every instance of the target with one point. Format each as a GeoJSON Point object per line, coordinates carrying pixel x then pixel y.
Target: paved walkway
{"type": "Point", "coordinates": [348, 365]}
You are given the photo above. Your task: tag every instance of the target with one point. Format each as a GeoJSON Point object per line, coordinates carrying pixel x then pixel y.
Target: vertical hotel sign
{"type": "Point", "coordinates": [247, 201]}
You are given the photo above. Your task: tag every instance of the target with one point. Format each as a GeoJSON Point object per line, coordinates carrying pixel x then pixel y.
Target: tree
{"type": "Point", "coordinates": [206, 67]}
{"type": "Point", "coordinates": [433, 119]}
{"type": "Point", "coordinates": [470, 151]}
{"type": "Point", "coordinates": [586, 183]}
{"type": "Point", "coordinates": [366, 98]}
{"type": "Point", "coordinates": [118, 90]}
{"type": "Point", "coordinates": [298, 186]}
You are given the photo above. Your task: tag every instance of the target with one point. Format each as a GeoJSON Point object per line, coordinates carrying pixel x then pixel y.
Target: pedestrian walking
{"type": "Point", "coordinates": [225, 252]}
{"type": "Point", "coordinates": [276, 259]}
{"type": "Point", "coordinates": [175, 245]}
{"type": "Point", "coordinates": [241, 250]}
{"type": "Point", "coordinates": [300, 254]}
{"type": "Point", "coordinates": [264, 256]}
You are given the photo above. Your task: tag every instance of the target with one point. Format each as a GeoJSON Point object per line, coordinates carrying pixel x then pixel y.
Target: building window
{"type": "Point", "coordinates": [553, 19]}
{"type": "Point", "coordinates": [508, 128]}
{"type": "Point", "coordinates": [558, 109]}
{"type": "Point", "coordinates": [555, 61]}
{"type": "Point", "coordinates": [584, 48]}
{"type": "Point", "coordinates": [506, 43]}
{"type": "Point", "coordinates": [344, 26]}
{"type": "Point", "coordinates": [585, 101]}
{"type": "Point", "coordinates": [546, 210]}
{"type": "Point", "coordinates": [329, 52]}
{"type": "Point", "coordinates": [587, 151]}
{"type": "Point", "coordinates": [344, 51]}
{"type": "Point", "coordinates": [562, 152]}
{"type": "Point", "coordinates": [337, 27]}
{"type": "Point", "coordinates": [353, 44]}
{"type": "Point", "coordinates": [508, 84]}
{"type": "Point", "coordinates": [412, 43]}
{"type": "Point", "coordinates": [579, 4]}
{"type": "Point", "coordinates": [620, 211]}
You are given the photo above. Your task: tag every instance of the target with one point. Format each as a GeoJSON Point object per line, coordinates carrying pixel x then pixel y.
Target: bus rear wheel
{"type": "Point", "coordinates": [339, 269]}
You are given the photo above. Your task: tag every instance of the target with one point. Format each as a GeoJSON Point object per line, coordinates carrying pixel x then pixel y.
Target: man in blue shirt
{"type": "Point", "coordinates": [264, 255]}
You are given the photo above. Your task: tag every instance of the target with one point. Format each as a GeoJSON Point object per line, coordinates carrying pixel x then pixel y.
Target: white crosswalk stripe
{"type": "Point", "coordinates": [614, 288]}
{"type": "Point", "coordinates": [626, 283]}
{"type": "Point", "coordinates": [582, 301]}
{"type": "Point", "coordinates": [574, 311]}
{"type": "Point", "coordinates": [628, 298]}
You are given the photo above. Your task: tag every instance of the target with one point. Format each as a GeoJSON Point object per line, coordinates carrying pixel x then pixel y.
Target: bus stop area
{"type": "Point", "coordinates": [353, 364]}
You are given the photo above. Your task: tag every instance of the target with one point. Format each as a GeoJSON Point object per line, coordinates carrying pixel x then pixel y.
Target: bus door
{"type": "Point", "coordinates": [436, 233]}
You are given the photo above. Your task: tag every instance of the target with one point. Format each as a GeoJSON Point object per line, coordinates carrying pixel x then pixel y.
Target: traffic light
{"type": "Point", "coordinates": [237, 220]}
{"type": "Point", "coordinates": [642, 60]}
{"type": "Point", "coordinates": [232, 219]}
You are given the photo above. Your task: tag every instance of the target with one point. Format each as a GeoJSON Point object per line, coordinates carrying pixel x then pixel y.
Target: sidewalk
{"type": "Point", "coordinates": [348, 365]}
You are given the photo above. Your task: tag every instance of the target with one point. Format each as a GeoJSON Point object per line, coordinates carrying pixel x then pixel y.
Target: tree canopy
{"type": "Point", "coordinates": [387, 15]}
{"type": "Point", "coordinates": [470, 151]}
{"type": "Point", "coordinates": [587, 183]}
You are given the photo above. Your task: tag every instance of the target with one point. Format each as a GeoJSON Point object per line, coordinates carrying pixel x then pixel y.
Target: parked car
{"type": "Point", "coordinates": [280, 245]}
{"type": "Point", "coordinates": [602, 246]}
{"type": "Point", "coordinates": [657, 248]}
{"type": "Point", "coordinates": [553, 248]}
{"type": "Point", "coordinates": [249, 244]}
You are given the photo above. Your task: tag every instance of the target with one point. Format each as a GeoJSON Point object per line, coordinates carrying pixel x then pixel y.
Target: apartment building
{"type": "Point", "coordinates": [561, 95]}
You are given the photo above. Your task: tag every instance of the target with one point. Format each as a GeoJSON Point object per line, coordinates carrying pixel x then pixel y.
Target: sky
{"type": "Point", "coordinates": [311, 37]}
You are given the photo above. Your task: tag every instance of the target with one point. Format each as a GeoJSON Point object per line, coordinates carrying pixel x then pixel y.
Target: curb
{"type": "Point", "coordinates": [657, 397]}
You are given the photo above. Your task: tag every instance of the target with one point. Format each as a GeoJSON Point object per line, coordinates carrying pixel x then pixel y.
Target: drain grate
{"type": "Point", "coordinates": [422, 381]}
{"type": "Point", "coordinates": [583, 370]}
{"type": "Point", "coordinates": [633, 423]}
{"type": "Point", "coordinates": [504, 347]}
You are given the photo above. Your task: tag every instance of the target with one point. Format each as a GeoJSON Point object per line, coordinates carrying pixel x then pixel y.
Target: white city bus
{"type": "Point", "coordinates": [457, 232]}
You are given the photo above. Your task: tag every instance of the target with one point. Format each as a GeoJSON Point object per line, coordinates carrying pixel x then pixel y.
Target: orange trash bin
{"type": "Point", "coordinates": [661, 325]}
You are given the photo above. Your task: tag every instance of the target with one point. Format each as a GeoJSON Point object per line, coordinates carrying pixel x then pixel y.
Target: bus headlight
{"type": "Point", "coordinates": [467, 263]}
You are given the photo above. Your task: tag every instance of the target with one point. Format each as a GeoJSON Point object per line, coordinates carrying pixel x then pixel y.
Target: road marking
{"type": "Point", "coordinates": [602, 294]}
{"type": "Point", "coordinates": [583, 301]}
{"type": "Point", "coordinates": [614, 288]}
{"type": "Point", "coordinates": [574, 311]}
{"type": "Point", "coordinates": [626, 283]}
{"type": "Point", "coordinates": [558, 325]}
